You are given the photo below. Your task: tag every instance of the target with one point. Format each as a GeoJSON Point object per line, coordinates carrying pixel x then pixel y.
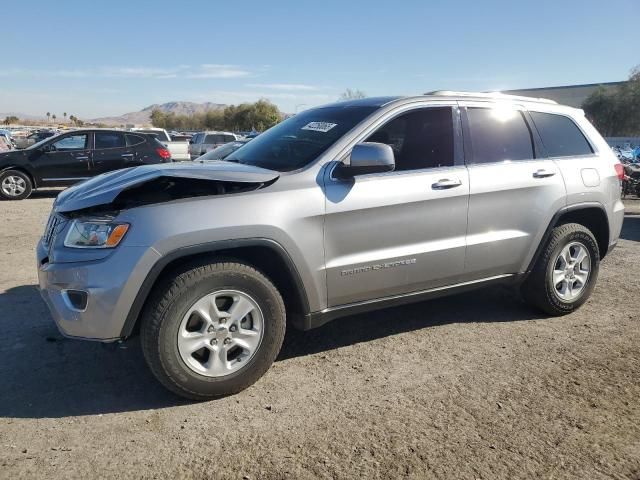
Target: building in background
{"type": "Point", "coordinates": [572, 95]}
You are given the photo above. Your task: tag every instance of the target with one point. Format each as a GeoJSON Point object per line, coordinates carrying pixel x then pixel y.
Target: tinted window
{"type": "Point", "coordinates": [72, 142]}
{"type": "Point", "coordinates": [419, 139]}
{"type": "Point", "coordinates": [560, 136]}
{"type": "Point", "coordinates": [160, 135]}
{"type": "Point", "coordinates": [229, 138]}
{"type": "Point", "coordinates": [134, 139]}
{"type": "Point", "coordinates": [300, 139]}
{"type": "Point", "coordinates": [211, 139]}
{"type": "Point", "coordinates": [499, 134]}
{"type": "Point", "coordinates": [109, 140]}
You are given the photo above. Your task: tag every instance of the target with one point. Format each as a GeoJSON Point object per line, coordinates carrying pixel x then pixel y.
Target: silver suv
{"type": "Point", "coordinates": [204, 142]}
{"type": "Point", "coordinates": [340, 209]}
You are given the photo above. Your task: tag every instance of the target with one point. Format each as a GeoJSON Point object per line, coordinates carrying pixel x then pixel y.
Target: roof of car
{"type": "Point", "coordinates": [441, 95]}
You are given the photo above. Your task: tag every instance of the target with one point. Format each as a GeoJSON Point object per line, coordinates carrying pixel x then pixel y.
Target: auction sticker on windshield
{"type": "Point", "coordinates": [323, 127]}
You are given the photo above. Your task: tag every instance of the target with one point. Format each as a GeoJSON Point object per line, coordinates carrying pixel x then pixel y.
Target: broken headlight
{"type": "Point", "coordinates": [95, 234]}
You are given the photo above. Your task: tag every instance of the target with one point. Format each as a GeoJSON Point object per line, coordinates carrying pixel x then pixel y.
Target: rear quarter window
{"type": "Point", "coordinates": [560, 136]}
{"type": "Point", "coordinates": [134, 140]}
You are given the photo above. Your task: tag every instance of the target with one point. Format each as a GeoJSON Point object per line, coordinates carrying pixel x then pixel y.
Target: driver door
{"type": "Point", "coordinates": [65, 161]}
{"type": "Point", "coordinates": [404, 231]}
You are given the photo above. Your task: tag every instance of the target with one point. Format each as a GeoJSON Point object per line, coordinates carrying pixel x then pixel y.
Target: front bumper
{"type": "Point", "coordinates": [111, 284]}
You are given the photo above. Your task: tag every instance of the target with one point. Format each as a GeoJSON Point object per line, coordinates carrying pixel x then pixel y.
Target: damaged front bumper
{"type": "Point", "coordinates": [90, 300]}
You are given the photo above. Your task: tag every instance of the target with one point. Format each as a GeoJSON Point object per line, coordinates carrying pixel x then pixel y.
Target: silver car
{"type": "Point", "coordinates": [340, 209]}
{"type": "Point", "coordinates": [204, 142]}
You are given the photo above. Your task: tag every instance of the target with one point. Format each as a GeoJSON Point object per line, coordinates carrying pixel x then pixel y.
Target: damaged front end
{"type": "Point", "coordinates": [150, 184]}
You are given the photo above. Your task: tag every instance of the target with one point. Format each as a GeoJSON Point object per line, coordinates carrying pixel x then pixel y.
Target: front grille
{"type": "Point", "coordinates": [51, 229]}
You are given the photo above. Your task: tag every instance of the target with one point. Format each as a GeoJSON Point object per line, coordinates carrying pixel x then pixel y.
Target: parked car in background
{"type": "Point", "coordinates": [24, 142]}
{"type": "Point", "coordinates": [180, 137]}
{"type": "Point", "coordinates": [624, 153]}
{"type": "Point", "coordinates": [202, 142]}
{"type": "Point", "coordinates": [223, 151]}
{"type": "Point", "coordinates": [179, 148]}
{"type": "Point", "coordinates": [74, 156]}
{"type": "Point", "coordinates": [5, 145]}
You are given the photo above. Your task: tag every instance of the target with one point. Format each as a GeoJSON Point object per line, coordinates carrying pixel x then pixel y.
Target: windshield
{"type": "Point", "coordinates": [222, 151]}
{"type": "Point", "coordinates": [299, 140]}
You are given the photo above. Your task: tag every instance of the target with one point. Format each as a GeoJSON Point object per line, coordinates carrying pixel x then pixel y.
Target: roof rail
{"type": "Point", "coordinates": [492, 95]}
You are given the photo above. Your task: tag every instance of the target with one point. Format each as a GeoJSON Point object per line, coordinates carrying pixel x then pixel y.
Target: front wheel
{"type": "Point", "coordinates": [213, 329]}
{"type": "Point", "coordinates": [566, 271]}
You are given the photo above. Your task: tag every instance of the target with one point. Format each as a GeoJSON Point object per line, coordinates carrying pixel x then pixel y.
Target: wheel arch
{"type": "Point", "coordinates": [266, 255]}
{"type": "Point", "coordinates": [591, 215]}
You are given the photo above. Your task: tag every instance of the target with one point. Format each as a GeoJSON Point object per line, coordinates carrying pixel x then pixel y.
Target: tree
{"type": "Point", "coordinates": [65, 117]}
{"type": "Point", "coordinates": [247, 116]}
{"type": "Point", "coordinates": [616, 112]}
{"type": "Point", "coordinates": [11, 119]}
{"type": "Point", "coordinates": [48, 116]}
{"type": "Point", "coordinates": [54, 117]}
{"type": "Point", "coordinates": [350, 94]}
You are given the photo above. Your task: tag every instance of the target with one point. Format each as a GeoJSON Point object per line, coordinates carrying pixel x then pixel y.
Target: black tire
{"type": "Point", "coordinates": [171, 300]}
{"type": "Point", "coordinates": [538, 289]}
{"type": "Point", "coordinates": [23, 176]}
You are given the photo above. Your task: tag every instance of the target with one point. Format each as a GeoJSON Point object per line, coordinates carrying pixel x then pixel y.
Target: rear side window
{"type": "Point", "coordinates": [499, 134]}
{"type": "Point", "coordinates": [560, 135]}
{"type": "Point", "coordinates": [134, 140]}
{"type": "Point", "coordinates": [216, 139]}
{"type": "Point", "coordinates": [229, 138]}
{"type": "Point", "coordinates": [109, 140]}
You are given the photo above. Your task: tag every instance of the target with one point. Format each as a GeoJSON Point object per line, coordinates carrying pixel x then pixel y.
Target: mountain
{"type": "Point", "coordinates": [143, 117]}
{"type": "Point", "coordinates": [22, 116]}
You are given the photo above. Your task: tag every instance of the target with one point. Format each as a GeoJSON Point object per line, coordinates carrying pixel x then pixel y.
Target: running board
{"type": "Point", "coordinates": [317, 319]}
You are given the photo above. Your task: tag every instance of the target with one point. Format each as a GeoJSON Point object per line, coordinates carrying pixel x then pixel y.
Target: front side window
{"type": "Point", "coordinates": [300, 139]}
{"type": "Point", "coordinates": [420, 138]}
{"type": "Point", "coordinates": [499, 134]}
{"type": "Point", "coordinates": [560, 136]}
{"type": "Point", "coordinates": [72, 142]}
{"type": "Point", "coordinates": [109, 140]}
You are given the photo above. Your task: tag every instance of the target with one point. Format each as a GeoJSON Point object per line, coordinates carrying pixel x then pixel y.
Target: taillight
{"type": "Point", "coordinates": [619, 170]}
{"type": "Point", "coordinates": [164, 153]}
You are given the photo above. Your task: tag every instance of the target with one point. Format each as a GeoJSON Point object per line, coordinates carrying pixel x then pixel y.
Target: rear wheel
{"type": "Point", "coordinates": [565, 274]}
{"type": "Point", "coordinates": [15, 185]}
{"type": "Point", "coordinates": [213, 329]}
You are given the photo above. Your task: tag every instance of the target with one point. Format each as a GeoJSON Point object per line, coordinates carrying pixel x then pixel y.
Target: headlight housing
{"type": "Point", "coordinates": [95, 234]}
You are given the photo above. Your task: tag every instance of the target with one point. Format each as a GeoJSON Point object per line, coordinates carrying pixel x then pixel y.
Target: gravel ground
{"type": "Point", "coordinates": [466, 387]}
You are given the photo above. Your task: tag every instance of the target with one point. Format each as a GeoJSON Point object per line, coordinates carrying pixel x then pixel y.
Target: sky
{"type": "Point", "coordinates": [94, 59]}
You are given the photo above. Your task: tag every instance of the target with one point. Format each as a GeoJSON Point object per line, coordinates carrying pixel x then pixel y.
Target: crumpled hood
{"type": "Point", "coordinates": [103, 189]}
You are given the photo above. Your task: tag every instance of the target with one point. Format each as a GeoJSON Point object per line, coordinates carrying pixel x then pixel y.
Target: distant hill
{"type": "Point", "coordinates": [143, 117]}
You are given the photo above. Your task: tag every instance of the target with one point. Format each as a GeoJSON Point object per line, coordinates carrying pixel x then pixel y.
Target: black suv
{"type": "Point", "coordinates": [74, 156]}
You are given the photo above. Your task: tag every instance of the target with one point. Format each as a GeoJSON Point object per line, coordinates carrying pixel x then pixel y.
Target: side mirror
{"type": "Point", "coordinates": [368, 157]}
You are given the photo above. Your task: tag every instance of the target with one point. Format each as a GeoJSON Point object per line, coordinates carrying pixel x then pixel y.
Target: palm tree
{"type": "Point", "coordinates": [48, 116]}
{"type": "Point", "coordinates": [65, 117]}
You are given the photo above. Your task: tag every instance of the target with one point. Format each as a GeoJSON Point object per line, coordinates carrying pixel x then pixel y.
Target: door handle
{"type": "Point", "coordinates": [127, 155]}
{"type": "Point", "coordinates": [542, 173]}
{"type": "Point", "coordinates": [445, 183]}
{"type": "Point", "coordinates": [82, 158]}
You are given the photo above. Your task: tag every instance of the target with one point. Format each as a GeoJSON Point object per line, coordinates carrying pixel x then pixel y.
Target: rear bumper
{"type": "Point", "coordinates": [110, 284]}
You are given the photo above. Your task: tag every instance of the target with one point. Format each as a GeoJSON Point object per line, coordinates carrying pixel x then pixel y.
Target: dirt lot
{"type": "Point", "coordinates": [473, 386]}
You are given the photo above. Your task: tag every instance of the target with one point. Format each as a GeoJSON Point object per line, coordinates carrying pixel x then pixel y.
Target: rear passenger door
{"type": "Point", "coordinates": [514, 189]}
{"type": "Point", "coordinates": [110, 152]}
